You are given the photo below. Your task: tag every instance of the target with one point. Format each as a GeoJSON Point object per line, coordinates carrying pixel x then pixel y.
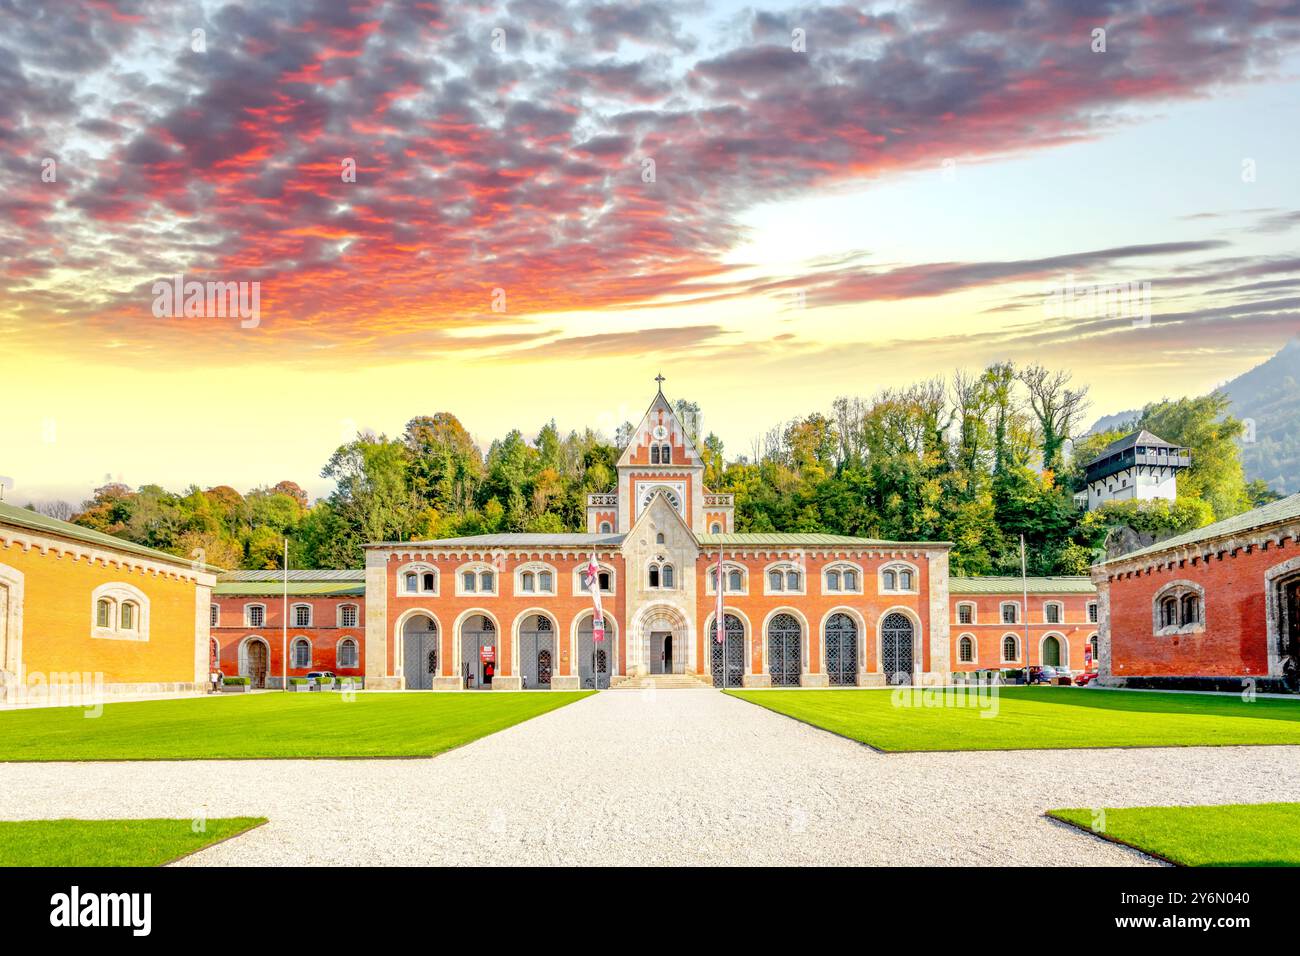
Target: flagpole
{"type": "Point", "coordinates": [1024, 582]}
{"type": "Point", "coordinates": [284, 623]}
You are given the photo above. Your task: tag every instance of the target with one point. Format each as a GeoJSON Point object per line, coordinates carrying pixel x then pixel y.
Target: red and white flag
{"type": "Point", "coordinates": [592, 574]}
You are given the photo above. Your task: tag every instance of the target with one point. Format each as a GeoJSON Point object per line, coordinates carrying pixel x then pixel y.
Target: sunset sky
{"type": "Point", "coordinates": [891, 202]}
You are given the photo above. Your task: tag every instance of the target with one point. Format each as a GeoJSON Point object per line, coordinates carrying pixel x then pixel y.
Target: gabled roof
{"type": "Point", "coordinates": [44, 524]}
{"type": "Point", "coordinates": [1275, 512]}
{"type": "Point", "coordinates": [661, 403]}
{"type": "Point", "coordinates": [657, 498]}
{"type": "Point", "coordinates": [1010, 584]}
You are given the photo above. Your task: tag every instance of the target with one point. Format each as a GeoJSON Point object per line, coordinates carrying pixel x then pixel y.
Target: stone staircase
{"type": "Point", "coordinates": [661, 682]}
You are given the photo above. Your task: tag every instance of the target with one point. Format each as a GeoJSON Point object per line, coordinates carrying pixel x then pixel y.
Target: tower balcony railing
{"type": "Point", "coordinates": [602, 500]}
{"type": "Point", "coordinates": [719, 501]}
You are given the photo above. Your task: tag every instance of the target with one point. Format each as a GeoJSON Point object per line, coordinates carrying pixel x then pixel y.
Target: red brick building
{"type": "Point", "coordinates": [990, 619]}
{"type": "Point", "coordinates": [511, 610]}
{"type": "Point", "coordinates": [325, 613]}
{"type": "Point", "coordinates": [1213, 608]}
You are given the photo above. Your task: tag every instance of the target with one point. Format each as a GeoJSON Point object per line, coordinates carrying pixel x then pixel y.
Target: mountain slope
{"type": "Point", "coordinates": [1267, 398]}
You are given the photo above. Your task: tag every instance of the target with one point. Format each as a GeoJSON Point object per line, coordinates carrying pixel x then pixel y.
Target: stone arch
{"type": "Point", "coordinates": [399, 629]}
{"type": "Point", "coordinates": [917, 637]}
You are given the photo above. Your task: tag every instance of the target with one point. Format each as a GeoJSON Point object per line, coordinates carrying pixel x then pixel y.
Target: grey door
{"type": "Point", "coordinates": [536, 653]}
{"type": "Point", "coordinates": [896, 649]}
{"type": "Point", "coordinates": [661, 653]}
{"type": "Point", "coordinates": [784, 650]}
{"type": "Point", "coordinates": [420, 658]}
{"type": "Point", "coordinates": [728, 658]}
{"type": "Point", "coordinates": [595, 660]}
{"type": "Point", "coordinates": [473, 670]}
{"type": "Point", "coordinates": [841, 651]}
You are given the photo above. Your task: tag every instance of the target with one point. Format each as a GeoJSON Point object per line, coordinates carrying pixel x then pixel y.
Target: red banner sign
{"type": "Point", "coordinates": [487, 653]}
{"type": "Point", "coordinates": [598, 630]}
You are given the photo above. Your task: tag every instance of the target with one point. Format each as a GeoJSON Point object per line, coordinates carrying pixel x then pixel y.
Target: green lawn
{"type": "Point", "coordinates": [1038, 718]}
{"type": "Point", "coordinates": [111, 842]}
{"type": "Point", "coordinates": [1238, 834]}
{"type": "Point", "coordinates": [271, 725]}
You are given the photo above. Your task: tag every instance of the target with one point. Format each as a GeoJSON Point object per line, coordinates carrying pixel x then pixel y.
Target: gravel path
{"type": "Point", "coordinates": [674, 777]}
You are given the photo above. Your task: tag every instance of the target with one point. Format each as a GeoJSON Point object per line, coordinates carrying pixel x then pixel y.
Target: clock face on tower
{"type": "Point", "coordinates": [660, 432]}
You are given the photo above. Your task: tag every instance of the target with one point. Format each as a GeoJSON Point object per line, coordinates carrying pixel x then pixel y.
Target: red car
{"type": "Point", "coordinates": [1086, 678]}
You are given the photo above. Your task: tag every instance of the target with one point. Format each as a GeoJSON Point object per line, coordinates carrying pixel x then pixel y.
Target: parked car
{"type": "Point", "coordinates": [1086, 678]}
{"type": "Point", "coordinates": [1045, 674]}
{"type": "Point", "coordinates": [321, 676]}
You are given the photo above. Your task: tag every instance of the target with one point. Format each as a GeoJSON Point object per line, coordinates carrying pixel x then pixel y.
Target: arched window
{"type": "Point", "coordinates": [1169, 612]}
{"type": "Point", "coordinates": [1010, 648]}
{"type": "Point", "coordinates": [412, 583]}
{"type": "Point", "coordinates": [606, 527]}
{"type": "Point", "coordinates": [890, 579]}
{"type": "Point", "coordinates": [348, 615]}
{"type": "Point", "coordinates": [654, 575]}
{"type": "Point", "coordinates": [469, 580]}
{"type": "Point", "coordinates": [428, 581]}
{"type": "Point", "coordinates": [735, 581]}
{"type": "Point", "coordinates": [301, 652]}
{"type": "Point", "coordinates": [121, 611]}
{"type": "Point", "coordinates": [254, 615]}
{"type": "Point", "coordinates": [1179, 606]}
{"type": "Point", "coordinates": [545, 582]}
{"type": "Point", "coordinates": [1093, 641]}
{"type": "Point", "coordinates": [784, 578]}
{"type": "Point", "coordinates": [1010, 612]}
{"type": "Point", "coordinates": [128, 616]}
{"type": "Point", "coordinates": [715, 528]}
{"type": "Point", "coordinates": [832, 580]}
{"type": "Point", "coordinates": [605, 581]}
{"type": "Point", "coordinates": [966, 650]}
{"type": "Point", "coordinates": [659, 538]}
{"type": "Point", "coordinates": [666, 576]}
{"type": "Point", "coordinates": [302, 615]}
{"type": "Point", "coordinates": [898, 577]}
{"type": "Point", "coordinates": [665, 454]}
{"type": "Point", "coordinates": [527, 582]}
{"type": "Point", "coordinates": [1052, 612]}
{"type": "Point", "coordinates": [966, 613]}
{"type": "Point", "coordinates": [347, 653]}
{"type": "Point", "coordinates": [103, 613]}
{"type": "Point", "coordinates": [487, 581]}
{"type": "Point", "coordinates": [214, 615]}
{"type": "Point", "coordinates": [654, 454]}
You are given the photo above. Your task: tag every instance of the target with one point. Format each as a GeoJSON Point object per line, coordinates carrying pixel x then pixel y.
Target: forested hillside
{"type": "Point", "coordinates": [977, 460]}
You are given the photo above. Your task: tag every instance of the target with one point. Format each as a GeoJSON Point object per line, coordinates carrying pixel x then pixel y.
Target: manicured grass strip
{"type": "Point", "coordinates": [271, 725]}
{"type": "Point", "coordinates": [1036, 718]}
{"type": "Point", "coordinates": [1235, 834]}
{"type": "Point", "coordinates": [112, 842]}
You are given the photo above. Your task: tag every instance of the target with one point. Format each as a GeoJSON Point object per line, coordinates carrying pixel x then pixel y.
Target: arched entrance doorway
{"type": "Point", "coordinates": [536, 650]}
{"type": "Point", "coordinates": [420, 653]}
{"type": "Point", "coordinates": [1288, 603]}
{"type": "Point", "coordinates": [727, 660]}
{"type": "Point", "coordinates": [841, 650]}
{"type": "Point", "coordinates": [595, 658]}
{"type": "Point", "coordinates": [896, 648]}
{"type": "Point", "coordinates": [256, 663]}
{"type": "Point", "coordinates": [1051, 651]}
{"type": "Point", "coordinates": [784, 650]}
{"type": "Point", "coordinates": [478, 652]}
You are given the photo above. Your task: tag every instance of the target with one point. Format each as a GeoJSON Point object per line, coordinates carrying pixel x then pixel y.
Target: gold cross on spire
{"type": "Point", "coordinates": [660, 379]}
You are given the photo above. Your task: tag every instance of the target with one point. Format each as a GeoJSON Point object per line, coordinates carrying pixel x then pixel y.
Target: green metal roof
{"type": "Point", "coordinates": [35, 521]}
{"type": "Point", "coordinates": [296, 589]}
{"type": "Point", "coordinates": [1010, 584]}
{"type": "Point", "coordinates": [1275, 512]}
{"type": "Point", "coordinates": [565, 540]}
{"type": "Point", "coordinates": [349, 582]}
{"type": "Point", "coordinates": [758, 538]}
